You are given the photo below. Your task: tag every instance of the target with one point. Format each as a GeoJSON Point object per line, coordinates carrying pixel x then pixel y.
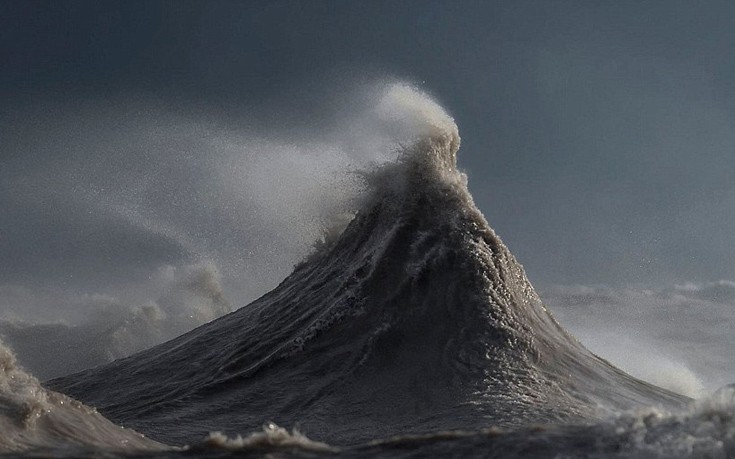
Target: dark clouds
{"type": "Point", "coordinates": [597, 136]}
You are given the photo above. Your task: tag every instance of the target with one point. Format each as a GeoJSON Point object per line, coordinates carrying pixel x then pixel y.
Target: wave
{"type": "Point", "coordinates": [416, 319]}
{"type": "Point", "coordinates": [33, 418]}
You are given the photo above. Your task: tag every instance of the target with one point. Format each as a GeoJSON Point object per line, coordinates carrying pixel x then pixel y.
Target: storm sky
{"type": "Point", "coordinates": [597, 136]}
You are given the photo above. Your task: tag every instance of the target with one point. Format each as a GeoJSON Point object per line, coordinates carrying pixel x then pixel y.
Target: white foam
{"type": "Point", "coordinates": [271, 436]}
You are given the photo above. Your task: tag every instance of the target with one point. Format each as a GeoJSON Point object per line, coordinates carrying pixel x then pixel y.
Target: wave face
{"type": "Point", "coordinates": [416, 319]}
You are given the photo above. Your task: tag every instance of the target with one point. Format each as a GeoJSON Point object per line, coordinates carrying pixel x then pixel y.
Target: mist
{"type": "Point", "coordinates": [131, 222]}
{"type": "Point", "coordinates": [675, 336]}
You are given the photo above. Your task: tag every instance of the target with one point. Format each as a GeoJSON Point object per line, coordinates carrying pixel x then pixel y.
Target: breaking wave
{"type": "Point", "coordinates": [413, 331]}
{"type": "Point", "coordinates": [417, 318]}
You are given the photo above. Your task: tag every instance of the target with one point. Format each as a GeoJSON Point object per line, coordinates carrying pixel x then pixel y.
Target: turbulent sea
{"type": "Point", "coordinates": [410, 332]}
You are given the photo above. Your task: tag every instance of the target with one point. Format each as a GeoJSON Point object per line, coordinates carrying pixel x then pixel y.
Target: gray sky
{"type": "Point", "coordinates": [598, 136]}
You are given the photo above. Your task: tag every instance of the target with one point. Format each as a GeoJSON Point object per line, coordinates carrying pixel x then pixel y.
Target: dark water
{"type": "Point", "coordinates": [413, 333]}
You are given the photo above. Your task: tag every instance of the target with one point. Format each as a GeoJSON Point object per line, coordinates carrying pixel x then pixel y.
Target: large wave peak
{"type": "Point", "coordinates": [415, 314]}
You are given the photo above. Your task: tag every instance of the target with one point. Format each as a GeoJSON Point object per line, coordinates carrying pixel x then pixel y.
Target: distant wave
{"type": "Point", "coordinates": [190, 296]}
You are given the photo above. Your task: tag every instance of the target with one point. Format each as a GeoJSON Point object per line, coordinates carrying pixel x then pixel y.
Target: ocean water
{"type": "Point", "coordinates": [409, 330]}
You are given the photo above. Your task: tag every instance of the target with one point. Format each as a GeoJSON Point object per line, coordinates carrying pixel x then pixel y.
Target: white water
{"type": "Point", "coordinates": [32, 418]}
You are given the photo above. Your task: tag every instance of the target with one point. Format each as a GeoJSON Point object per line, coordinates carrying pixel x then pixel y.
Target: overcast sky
{"type": "Point", "coordinates": [598, 136]}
